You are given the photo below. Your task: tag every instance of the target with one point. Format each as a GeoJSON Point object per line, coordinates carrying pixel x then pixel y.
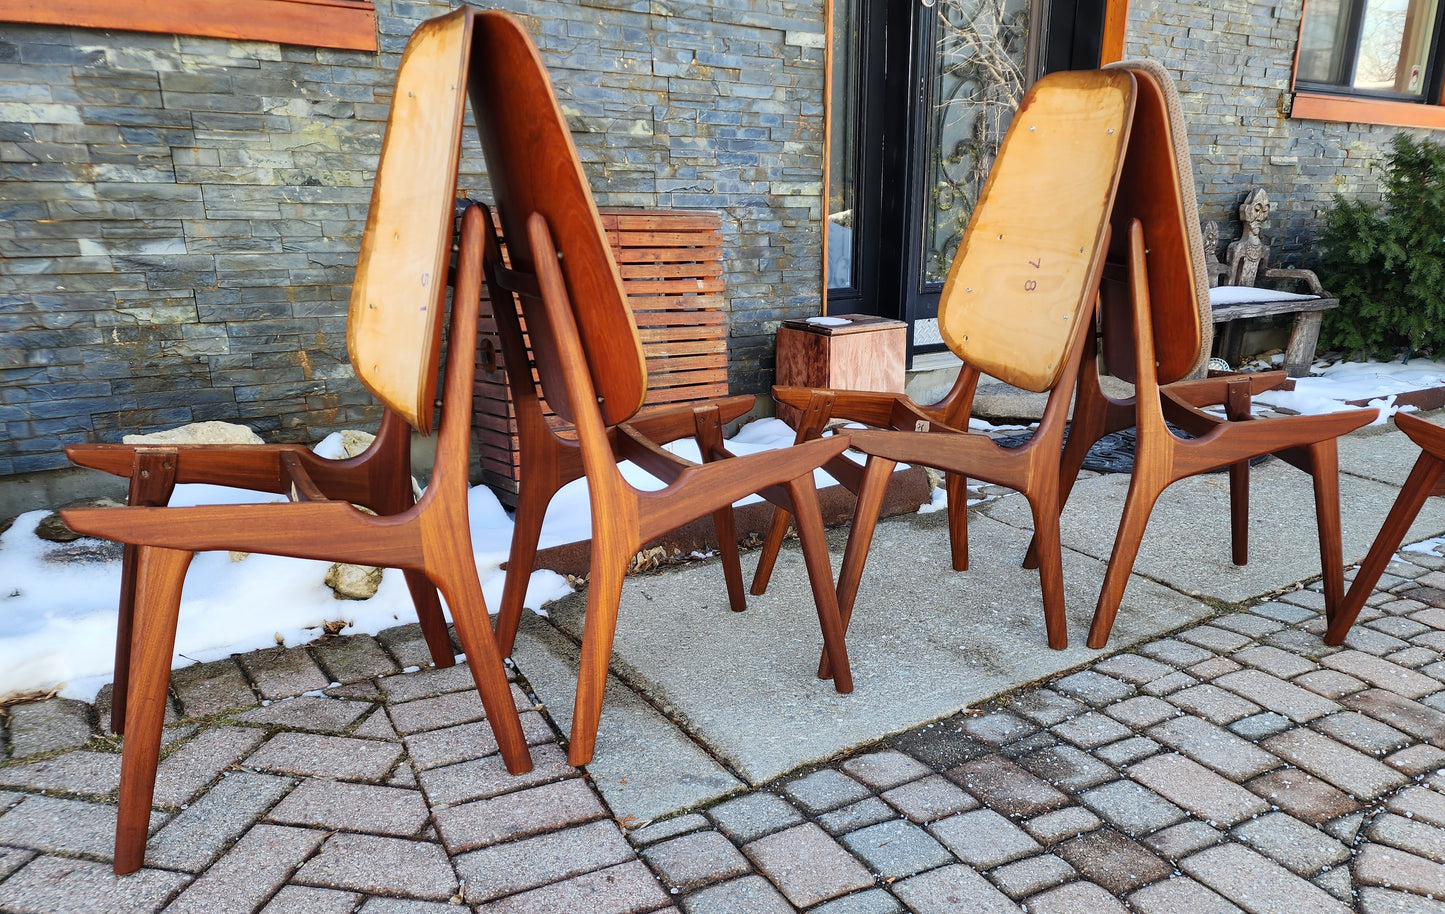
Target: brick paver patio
{"type": "Point", "coordinates": [1239, 765]}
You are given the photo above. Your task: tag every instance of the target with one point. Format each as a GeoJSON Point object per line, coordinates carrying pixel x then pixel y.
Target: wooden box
{"type": "Point", "coordinates": [672, 271]}
{"type": "Point", "coordinates": [866, 353]}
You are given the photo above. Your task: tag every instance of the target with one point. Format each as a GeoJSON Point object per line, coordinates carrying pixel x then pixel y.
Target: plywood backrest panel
{"type": "Point", "coordinates": [393, 331]}
{"type": "Point", "coordinates": [533, 168]}
{"type": "Point", "coordinates": [1020, 283]}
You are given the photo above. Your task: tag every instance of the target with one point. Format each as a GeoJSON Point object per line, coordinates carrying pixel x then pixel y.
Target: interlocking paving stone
{"type": "Point", "coordinates": [1406, 834]}
{"type": "Point", "coordinates": [930, 798]}
{"type": "Point", "coordinates": [55, 885]}
{"type": "Point", "coordinates": [1091, 729]}
{"type": "Point", "coordinates": [1142, 711]}
{"type": "Point", "coordinates": [1384, 901]}
{"type": "Point", "coordinates": [872, 901]}
{"type": "Point", "coordinates": [377, 726]}
{"type": "Point", "coordinates": [1004, 786]}
{"type": "Point", "coordinates": [406, 906]}
{"type": "Point", "coordinates": [326, 756]}
{"type": "Point", "coordinates": [47, 726]}
{"type": "Point", "coordinates": [886, 769]}
{"type": "Point", "coordinates": [1067, 767]}
{"type": "Point", "coordinates": [210, 688]}
{"type": "Point", "coordinates": [996, 727]}
{"type": "Point", "coordinates": [1168, 685]}
{"type": "Point", "coordinates": [201, 832]}
{"type": "Point", "coordinates": [941, 745]}
{"type": "Point", "coordinates": [1247, 623]}
{"type": "Point", "coordinates": [866, 812]}
{"type": "Point", "coordinates": [1420, 721]}
{"type": "Point", "coordinates": [1330, 683]}
{"type": "Point", "coordinates": [13, 858]}
{"type": "Point", "coordinates": [309, 712]}
{"type": "Point", "coordinates": [983, 838]}
{"type": "Point", "coordinates": [199, 761]}
{"type": "Point", "coordinates": [1213, 704]}
{"type": "Point", "coordinates": [1055, 826]}
{"type": "Point", "coordinates": [1045, 707]}
{"type": "Point", "coordinates": [896, 849]}
{"type": "Point", "coordinates": [1353, 772]}
{"type": "Point", "coordinates": [753, 815]}
{"type": "Point", "coordinates": [622, 889]}
{"type": "Point", "coordinates": [693, 861]}
{"type": "Point", "coordinates": [300, 899]}
{"type": "Point", "coordinates": [1178, 841]}
{"type": "Point", "coordinates": [1419, 803]}
{"type": "Point", "coordinates": [1132, 808]}
{"type": "Point", "coordinates": [1075, 898]}
{"type": "Point", "coordinates": [1214, 638]}
{"type": "Point", "coordinates": [1274, 661]}
{"type": "Point", "coordinates": [1094, 688]}
{"type": "Point", "coordinates": [1214, 747]}
{"type": "Point", "coordinates": [1133, 668]}
{"type": "Point", "coordinates": [1382, 674]}
{"type": "Point", "coordinates": [279, 673]}
{"type": "Point", "coordinates": [505, 869]}
{"type": "Point", "coordinates": [1282, 612]}
{"type": "Point", "coordinates": [1114, 861]}
{"type": "Point", "coordinates": [1303, 795]}
{"type": "Point", "coordinates": [1288, 841]}
{"type": "Point", "coordinates": [953, 890]}
{"type": "Point", "coordinates": [1363, 733]}
{"type": "Point", "coordinates": [251, 870]}
{"type": "Point", "coordinates": [463, 742]}
{"type": "Point", "coordinates": [748, 895]}
{"type": "Point", "coordinates": [352, 658]}
{"type": "Point", "coordinates": [469, 826]}
{"type": "Point", "coordinates": [380, 866]}
{"type": "Point", "coordinates": [1275, 694]}
{"type": "Point", "coordinates": [1256, 883]}
{"type": "Point", "coordinates": [1174, 652]}
{"type": "Point", "coordinates": [324, 803]}
{"type": "Point", "coordinates": [446, 710]}
{"type": "Point", "coordinates": [407, 645]}
{"type": "Point", "coordinates": [1258, 726]}
{"type": "Point", "coordinates": [1417, 759]}
{"type": "Point", "coordinates": [1197, 789]}
{"type": "Point", "coordinates": [1032, 874]}
{"type": "Point", "coordinates": [365, 690]}
{"type": "Point", "coordinates": [668, 828]}
{"type": "Point", "coordinates": [1180, 895]}
{"type": "Point", "coordinates": [426, 683]}
{"type": "Point", "coordinates": [807, 865]}
{"type": "Point", "coordinates": [1127, 751]}
{"type": "Point", "coordinates": [824, 790]}
{"type": "Point", "coordinates": [91, 773]}
{"type": "Point", "coordinates": [64, 826]}
{"type": "Point", "coordinates": [488, 777]}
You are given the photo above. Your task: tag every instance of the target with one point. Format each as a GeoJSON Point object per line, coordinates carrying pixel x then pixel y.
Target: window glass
{"type": "Point", "coordinates": [843, 143]}
{"type": "Point", "coordinates": [1372, 46]}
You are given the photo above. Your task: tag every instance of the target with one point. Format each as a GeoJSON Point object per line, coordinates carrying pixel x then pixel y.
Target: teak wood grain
{"type": "Point", "coordinates": [429, 538]}
{"type": "Point", "coordinates": [561, 287]}
{"type": "Point", "coordinates": [1018, 304]}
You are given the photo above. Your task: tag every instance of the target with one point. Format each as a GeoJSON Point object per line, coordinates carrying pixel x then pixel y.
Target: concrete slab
{"type": "Point", "coordinates": [644, 767]}
{"type": "Point", "coordinates": [1381, 452]}
{"type": "Point", "coordinates": [926, 641]}
{"type": "Point", "coordinates": [1186, 545]}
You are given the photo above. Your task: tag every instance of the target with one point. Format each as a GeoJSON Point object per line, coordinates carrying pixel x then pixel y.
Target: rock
{"type": "Point", "coordinates": [52, 528]}
{"type": "Point", "coordinates": [200, 433]}
{"type": "Point", "coordinates": [354, 442]}
{"type": "Point", "coordinates": [6, 524]}
{"type": "Point", "coordinates": [353, 582]}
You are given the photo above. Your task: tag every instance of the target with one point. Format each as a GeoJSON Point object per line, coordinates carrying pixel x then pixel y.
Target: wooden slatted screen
{"type": "Point", "coordinates": [671, 265]}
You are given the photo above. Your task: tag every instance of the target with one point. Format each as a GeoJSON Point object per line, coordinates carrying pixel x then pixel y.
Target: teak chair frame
{"type": "Point", "coordinates": [560, 280]}
{"type": "Point", "coordinates": [394, 333]}
{"type": "Point", "coordinates": [937, 435]}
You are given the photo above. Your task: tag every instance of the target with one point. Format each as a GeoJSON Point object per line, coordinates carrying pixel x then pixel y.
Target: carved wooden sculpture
{"type": "Point", "coordinates": [394, 336]}
{"type": "Point", "coordinates": [1154, 329]}
{"type": "Point", "coordinates": [1424, 480]}
{"type": "Point", "coordinates": [1018, 305]}
{"type": "Point", "coordinates": [589, 365]}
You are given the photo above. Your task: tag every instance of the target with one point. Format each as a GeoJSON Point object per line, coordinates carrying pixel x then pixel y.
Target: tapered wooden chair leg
{"type": "Point", "coordinates": [1090, 423]}
{"type": "Point", "coordinates": [1236, 408]}
{"type": "Point", "coordinates": [526, 532]}
{"type": "Point", "coordinates": [860, 537]}
{"type": "Point", "coordinates": [1137, 508]}
{"type": "Point", "coordinates": [429, 614]}
{"type": "Point", "coordinates": [604, 593]}
{"type": "Point", "coordinates": [956, 487]}
{"type": "Point", "coordinates": [474, 630]}
{"type": "Point", "coordinates": [1418, 486]}
{"type": "Point", "coordinates": [1325, 466]}
{"type": "Point", "coordinates": [160, 574]}
{"type": "Point", "coordinates": [772, 545]}
{"type": "Point", "coordinates": [1051, 568]}
{"type": "Point", "coordinates": [727, 547]}
{"type": "Point", "coordinates": [820, 574]}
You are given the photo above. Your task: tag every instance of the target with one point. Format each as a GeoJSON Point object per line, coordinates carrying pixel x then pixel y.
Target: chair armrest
{"type": "Point", "coordinates": [1308, 277]}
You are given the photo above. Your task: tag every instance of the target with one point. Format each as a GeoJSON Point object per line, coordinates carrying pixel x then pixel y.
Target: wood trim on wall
{"type": "Point", "coordinates": [1116, 25]}
{"type": "Point", "coordinates": [348, 24]}
{"type": "Point", "coordinates": [1346, 109]}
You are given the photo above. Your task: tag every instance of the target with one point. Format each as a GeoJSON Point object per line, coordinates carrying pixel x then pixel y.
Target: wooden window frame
{"type": "Point", "coordinates": [345, 24]}
{"type": "Point", "coordinates": [1361, 109]}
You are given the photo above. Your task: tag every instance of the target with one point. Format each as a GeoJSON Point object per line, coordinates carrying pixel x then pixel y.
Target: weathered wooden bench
{"type": "Point", "coordinates": [672, 271]}
{"type": "Point", "coordinates": [1235, 294]}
